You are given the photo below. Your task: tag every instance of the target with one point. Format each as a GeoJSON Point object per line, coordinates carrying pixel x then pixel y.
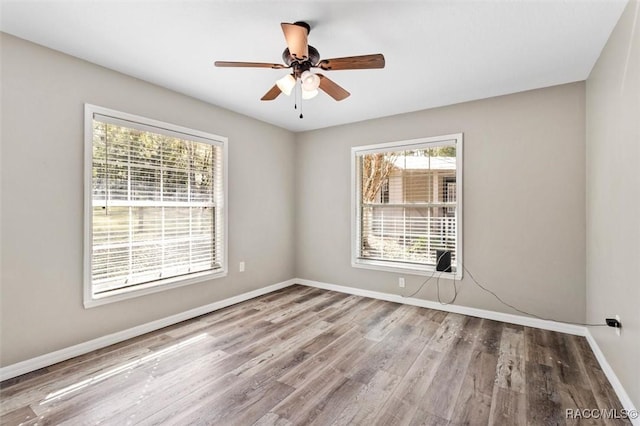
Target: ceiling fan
{"type": "Point", "coordinates": [300, 57]}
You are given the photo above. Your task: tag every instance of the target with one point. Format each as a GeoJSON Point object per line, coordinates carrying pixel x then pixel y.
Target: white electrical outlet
{"type": "Point", "coordinates": [241, 267]}
{"type": "Point", "coordinates": [401, 282]}
{"type": "Point", "coordinates": [618, 329]}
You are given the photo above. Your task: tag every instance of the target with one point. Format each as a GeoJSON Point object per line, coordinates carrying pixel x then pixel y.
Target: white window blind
{"type": "Point", "coordinates": [157, 205]}
{"type": "Point", "coordinates": [407, 204]}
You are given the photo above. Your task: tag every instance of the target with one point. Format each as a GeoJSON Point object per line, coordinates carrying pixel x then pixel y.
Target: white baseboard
{"type": "Point", "coordinates": [51, 358]}
{"type": "Point", "coordinates": [458, 309]}
{"type": "Point", "coordinates": [623, 396]}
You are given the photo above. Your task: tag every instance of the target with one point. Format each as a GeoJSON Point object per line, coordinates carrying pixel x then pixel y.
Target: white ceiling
{"type": "Point", "coordinates": [437, 52]}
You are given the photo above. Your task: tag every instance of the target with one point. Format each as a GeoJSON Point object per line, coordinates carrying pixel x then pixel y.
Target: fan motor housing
{"type": "Point", "coordinates": [314, 57]}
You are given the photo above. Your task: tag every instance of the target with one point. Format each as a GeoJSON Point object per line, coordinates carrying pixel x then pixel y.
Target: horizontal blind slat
{"type": "Point", "coordinates": [157, 204]}
{"type": "Point", "coordinates": [407, 208]}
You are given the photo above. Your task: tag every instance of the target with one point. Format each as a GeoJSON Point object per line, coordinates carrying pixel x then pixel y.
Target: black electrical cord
{"type": "Point", "coordinates": [520, 310]}
{"type": "Point", "coordinates": [473, 279]}
{"type": "Point", "coordinates": [427, 280]}
{"type": "Point", "coordinates": [455, 291]}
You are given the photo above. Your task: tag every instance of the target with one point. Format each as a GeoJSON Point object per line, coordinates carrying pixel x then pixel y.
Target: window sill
{"type": "Point", "coordinates": [405, 268]}
{"type": "Point", "coordinates": [91, 300]}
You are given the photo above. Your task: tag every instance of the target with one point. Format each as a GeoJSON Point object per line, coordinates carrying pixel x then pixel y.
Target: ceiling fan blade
{"type": "Point", "coordinates": [296, 36]}
{"type": "Point", "coordinates": [352, 63]}
{"type": "Point", "coordinates": [332, 89]}
{"type": "Point", "coordinates": [249, 65]}
{"type": "Point", "coordinates": [271, 94]}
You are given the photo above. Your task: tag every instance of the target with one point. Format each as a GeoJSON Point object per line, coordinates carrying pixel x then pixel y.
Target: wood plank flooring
{"type": "Point", "coordinates": [304, 356]}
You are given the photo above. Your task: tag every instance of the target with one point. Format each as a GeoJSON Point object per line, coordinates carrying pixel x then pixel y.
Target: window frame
{"type": "Point", "coordinates": [91, 300]}
{"type": "Point", "coordinates": [356, 221]}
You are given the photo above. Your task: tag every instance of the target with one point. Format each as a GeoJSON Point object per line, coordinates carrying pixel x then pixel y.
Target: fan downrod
{"type": "Point", "coordinates": [303, 25]}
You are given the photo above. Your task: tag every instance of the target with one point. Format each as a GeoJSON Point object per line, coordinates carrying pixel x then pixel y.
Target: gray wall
{"type": "Point", "coordinates": [613, 198]}
{"type": "Point", "coordinates": [524, 205]}
{"type": "Point", "coordinates": [43, 93]}
{"type": "Point", "coordinates": [524, 195]}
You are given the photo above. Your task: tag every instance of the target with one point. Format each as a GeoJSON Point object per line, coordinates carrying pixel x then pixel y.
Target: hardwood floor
{"type": "Point", "coordinates": [307, 356]}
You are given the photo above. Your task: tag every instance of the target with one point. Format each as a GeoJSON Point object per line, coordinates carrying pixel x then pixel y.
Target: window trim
{"type": "Point", "coordinates": [89, 299]}
{"type": "Point", "coordinates": [405, 267]}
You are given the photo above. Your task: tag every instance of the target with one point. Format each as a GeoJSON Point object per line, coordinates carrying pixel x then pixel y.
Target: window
{"type": "Point", "coordinates": [155, 198]}
{"type": "Point", "coordinates": [407, 206]}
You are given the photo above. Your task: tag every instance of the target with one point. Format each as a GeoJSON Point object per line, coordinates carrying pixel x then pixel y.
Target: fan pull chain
{"type": "Point", "coordinates": [301, 116]}
{"type": "Point", "coordinates": [295, 99]}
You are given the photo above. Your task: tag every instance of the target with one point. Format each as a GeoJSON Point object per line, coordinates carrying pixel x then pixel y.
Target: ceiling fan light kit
{"type": "Point", "coordinates": [286, 84]}
{"type": "Point", "coordinates": [300, 58]}
{"type": "Point", "coordinates": [309, 81]}
{"type": "Point", "coordinates": [309, 94]}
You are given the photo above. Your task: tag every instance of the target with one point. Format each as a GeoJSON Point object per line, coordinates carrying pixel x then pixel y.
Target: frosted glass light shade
{"type": "Point", "coordinates": [286, 84]}
{"type": "Point", "coordinates": [309, 94]}
{"type": "Point", "coordinates": [309, 81]}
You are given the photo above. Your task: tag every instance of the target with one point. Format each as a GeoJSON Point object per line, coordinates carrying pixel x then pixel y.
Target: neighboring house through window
{"type": "Point", "coordinates": [407, 205]}
{"type": "Point", "coordinates": [155, 214]}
